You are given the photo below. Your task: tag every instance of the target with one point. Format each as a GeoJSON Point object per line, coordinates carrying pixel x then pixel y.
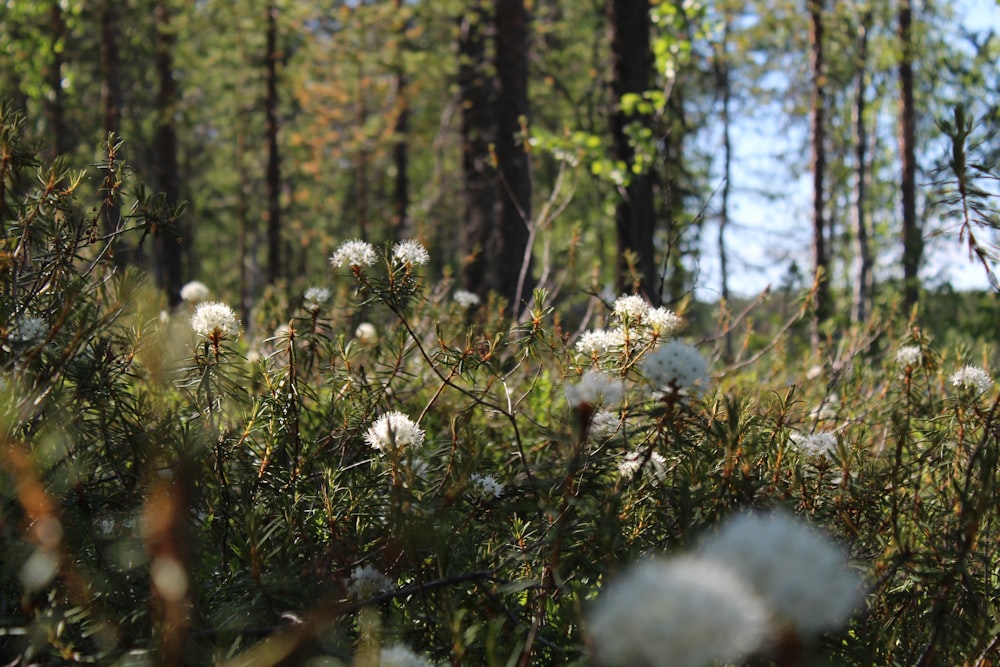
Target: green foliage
{"type": "Point", "coordinates": [195, 496]}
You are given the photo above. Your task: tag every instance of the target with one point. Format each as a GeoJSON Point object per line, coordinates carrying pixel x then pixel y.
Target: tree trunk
{"type": "Point", "coordinates": [111, 96]}
{"type": "Point", "coordinates": [863, 254]}
{"type": "Point", "coordinates": [513, 261]}
{"type": "Point", "coordinates": [400, 148]}
{"type": "Point", "coordinates": [478, 131]}
{"type": "Point", "coordinates": [273, 175]}
{"type": "Point", "coordinates": [912, 239]}
{"type": "Point", "coordinates": [56, 107]}
{"type": "Point", "coordinates": [167, 244]}
{"type": "Point", "coordinates": [821, 257]}
{"type": "Point", "coordinates": [722, 73]}
{"type": "Point", "coordinates": [634, 213]}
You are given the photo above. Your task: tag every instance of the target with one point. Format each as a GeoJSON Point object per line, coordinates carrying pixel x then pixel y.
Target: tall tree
{"type": "Point", "coordinates": [478, 131]}
{"type": "Point", "coordinates": [273, 177]}
{"type": "Point", "coordinates": [400, 148]}
{"type": "Point", "coordinates": [863, 253]}
{"type": "Point", "coordinates": [817, 124]}
{"type": "Point", "coordinates": [634, 212]}
{"type": "Point", "coordinates": [911, 233]}
{"type": "Point", "coordinates": [512, 262]}
{"type": "Point", "coordinates": [111, 95]}
{"type": "Point", "coordinates": [167, 245]}
{"type": "Point", "coordinates": [56, 100]}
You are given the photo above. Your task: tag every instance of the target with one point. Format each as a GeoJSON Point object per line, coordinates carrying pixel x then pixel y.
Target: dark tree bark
{"type": "Point", "coordinates": [167, 245]}
{"type": "Point", "coordinates": [56, 107]}
{"type": "Point", "coordinates": [512, 263]}
{"type": "Point", "coordinates": [634, 213]}
{"type": "Point", "coordinates": [475, 82]}
{"type": "Point", "coordinates": [725, 89]}
{"type": "Point", "coordinates": [912, 239]}
{"type": "Point", "coordinates": [273, 175]}
{"type": "Point", "coordinates": [863, 254]}
{"type": "Point", "coordinates": [111, 96]}
{"type": "Point", "coordinates": [821, 256]}
{"type": "Point", "coordinates": [400, 147]}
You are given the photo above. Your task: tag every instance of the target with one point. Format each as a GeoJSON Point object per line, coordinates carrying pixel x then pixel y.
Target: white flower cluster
{"type": "Point", "coordinates": [399, 655]}
{"type": "Point", "coordinates": [683, 612]}
{"type": "Point", "coordinates": [215, 319]}
{"type": "Point", "coordinates": [757, 577]}
{"type": "Point", "coordinates": [603, 425]}
{"type": "Point", "coordinates": [367, 334]}
{"type": "Point", "coordinates": [815, 444]}
{"type": "Point", "coordinates": [801, 573]}
{"type": "Point", "coordinates": [972, 378]}
{"type": "Point", "coordinates": [314, 298]}
{"type": "Point", "coordinates": [593, 388]}
{"type": "Point", "coordinates": [908, 355]}
{"type": "Point", "coordinates": [485, 487]}
{"type": "Point", "coordinates": [637, 322]}
{"type": "Point", "coordinates": [366, 582]}
{"type": "Point", "coordinates": [465, 299]}
{"type": "Point", "coordinates": [393, 431]}
{"type": "Point", "coordinates": [28, 330]}
{"type": "Point", "coordinates": [600, 341]}
{"type": "Point", "coordinates": [410, 253]}
{"type": "Point", "coordinates": [633, 309]}
{"type": "Point", "coordinates": [676, 368]}
{"type": "Point", "coordinates": [353, 253]}
{"type": "Point", "coordinates": [194, 292]}
{"type": "Point", "coordinates": [630, 464]}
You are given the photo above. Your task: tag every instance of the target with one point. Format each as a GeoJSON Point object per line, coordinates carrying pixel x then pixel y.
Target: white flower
{"type": "Point", "coordinates": [485, 487]}
{"type": "Point", "coordinates": [603, 425]}
{"type": "Point", "coordinates": [682, 612]}
{"type": "Point", "coordinates": [314, 298]}
{"type": "Point", "coordinates": [815, 444]}
{"type": "Point", "coordinates": [194, 292]}
{"type": "Point", "coordinates": [908, 355]}
{"type": "Point", "coordinates": [28, 330]}
{"type": "Point", "coordinates": [663, 321]}
{"type": "Point", "coordinates": [465, 299]}
{"type": "Point", "coordinates": [354, 253]}
{"type": "Point", "coordinates": [631, 307]}
{"type": "Point", "coordinates": [972, 377]}
{"type": "Point", "coordinates": [594, 387]}
{"type": "Point", "coordinates": [367, 334]}
{"type": "Point", "coordinates": [215, 319]}
{"type": "Point", "coordinates": [676, 367]}
{"type": "Point", "coordinates": [366, 582]}
{"type": "Point", "coordinates": [399, 655]}
{"type": "Point", "coordinates": [393, 431]}
{"type": "Point", "coordinates": [800, 572]}
{"type": "Point", "coordinates": [599, 341]}
{"type": "Point", "coordinates": [631, 462]}
{"type": "Point", "coordinates": [410, 252]}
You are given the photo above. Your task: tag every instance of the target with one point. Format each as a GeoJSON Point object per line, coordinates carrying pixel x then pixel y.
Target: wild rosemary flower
{"type": "Point", "coordinates": [908, 355]}
{"type": "Point", "coordinates": [353, 253]}
{"type": "Point", "coordinates": [676, 368]}
{"type": "Point", "coordinates": [393, 431]}
{"type": "Point", "coordinates": [410, 253]}
{"type": "Point", "coordinates": [194, 292]}
{"type": "Point", "coordinates": [819, 445]}
{"type": "Point", "coordinates": [366, 582]}
{"type": "Point", "coordinates": [215, 320]}
{"type": "Point", "coordinates": [485, 487]}
{"type": "Point", "coordinates": [465, 299]}
{"type": "Point", "coordinates": [314, 298]}
{"type": "Point", "coordinates": [973, 378]}
{"type": "Point", "coordinates": [593, 388]}
{"type": "Point", "coordinates": [399, 655]}
{"type": "Point", "coordinates": [630, 307]}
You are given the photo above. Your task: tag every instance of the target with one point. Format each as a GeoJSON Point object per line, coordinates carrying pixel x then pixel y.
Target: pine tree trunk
{"type": "Point", "coordinates": [111, 97]}
{"type": "Point", "coordinates": [727, 153]}
{"type": "Point", "coordinates": [863, 253]}
{"type": "Point", "coordinates": [56, 107]}
{"type": "Point", "coordinates": [634, 213]}
{"type": "Point", "coordinates": [273, 175]}
{"type": "Point", "coordinates": [167, 244]}
{"type": "Point", "coordinates": [513, 165]}
{"type": "Point", "coordinates": [400, 147]}
{"type": "Point", "coordinates": [821, 257]}
{"type": "Point", "coordinates": [912, 239]}
{"type": "Point", "coordinates": [479, 231]}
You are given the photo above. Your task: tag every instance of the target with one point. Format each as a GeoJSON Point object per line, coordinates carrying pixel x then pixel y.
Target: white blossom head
{"type": "Point", "coordinates": [410, 253]}
{"type": "Point", "coordinates": [353, 253]}
{"type": "Point", "coordinates": [652, 464]}
{"type": "Point", "coordinates": [393, 431]}
{"type": "Point", "coordinates": [675, 368]}
{"type": "Point", "coordinates": [216, 320]}
{"type": "Point", "coordinates": [465, 298]}
{"type": "Point", "coordinates": [908, 355]}
{"type": "Point", "coordinates": [366, 581]}
{"type": "Point", "coordinates": [972, 378]}
{"type": "Point", "coordinates": [802, 574]}
{"type": "Point", "coordinates": [815, 445]}
{"type": "Point", "coordinates": [485, 487]}
{"type": "Point", "coordinates": [683, 612]}
{"type": "Point", "coordinates": [663, 321]}
{"type": "Point", "coordinates": [399, 655]}
{"type": "Point", "coordinates": [367, 334]}
{"type": "Point", "coordinates": [194, 292]}
{"type": "Point", "coordinates": [28, 330]}
{"type": "Point", "coordinates": [314, 298]}
{"type": "Point", "coordinates": [594, 388]}
{"type": "Point", "coordinates": [603, 425]}
{"type": "Point", "coordinates": [600, 341]}
{"type": "Point", "coordinates": [630, 308]}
